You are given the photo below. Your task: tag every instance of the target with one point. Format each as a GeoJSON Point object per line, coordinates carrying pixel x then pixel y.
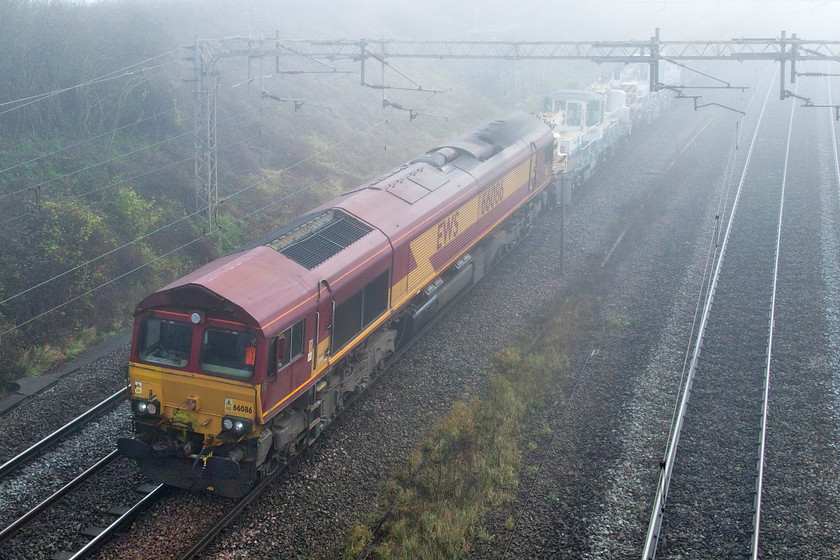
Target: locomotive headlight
{"type": "Point", "coordinates": [236, 426]}
{"type": "Point", "coordinates": [146, 408]}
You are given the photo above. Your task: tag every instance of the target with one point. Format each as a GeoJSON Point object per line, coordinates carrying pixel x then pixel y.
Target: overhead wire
{"type": "Point", "coordinates": [116, 74]}
{"type": "Point", "coordinates": [104, 188]}
{"type": "Point", "coordinates": [120, 73]}
{"type": "Point", "coordinates": [147, 173]}
{"type": "Point", "coordinates": [162, 168]}
{"type": "Point", "coordinates": [83, 142]}
{"type": "Point", "coordinates": [111, 160]}
{"type": "Point", "coordinates": [283, 199]}
{"type": "Point", "coordinates": [99, 164]}
{"type": "Point", "coordinates": [710, 275]}
{"type": "Point", "coordinates": [714, 245]}
{"type": "Point", "coordinates": [103, 162]}
{"type": "Point", "coordinates": [184, 245]}
{"type": "Point", "coordinates": [178, 221]}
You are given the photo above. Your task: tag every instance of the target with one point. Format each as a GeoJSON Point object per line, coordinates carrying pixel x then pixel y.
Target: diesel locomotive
{"type": "Point", "coordinates": [237, 366]}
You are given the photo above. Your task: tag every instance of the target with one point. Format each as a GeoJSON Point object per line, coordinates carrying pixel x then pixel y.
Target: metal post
{"type": "Point", "coordinates": [654, 61]}
{"type": "Point", "coordinates": [277, 51]}
{"type": "Point", "coordinates": [565, 200]}
{"type": "Point", "coordinates": [562, 233]}
{"type": "Point", "coordinates": [198, 124]}
{"type": "Point", "coordinates": [362, 58]}
{"type": "Point", "coordinates": [782, 63]}
{"type": "Point", "coordinates": [206, 179]}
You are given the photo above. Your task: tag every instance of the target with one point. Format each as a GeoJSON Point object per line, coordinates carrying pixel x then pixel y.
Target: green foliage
{"type": "Point", "coordinates": [358, 536]}
{"type": "Point", "coordinates": [467, 464]}
{"type": "Point", "coordinates": [618, 323]}
{"type": "Point", "coordinates": [38, 359]}
{"type": "Point", "coordinates": [130, 214]}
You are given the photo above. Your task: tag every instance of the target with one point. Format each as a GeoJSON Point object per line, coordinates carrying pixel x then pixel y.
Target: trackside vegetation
{"type": "Point", "coordinates": [97, 189]}
{"type": "Point", "coordinates": [98, 202]}
{"type": "Point", "coordinates": [435, 504]}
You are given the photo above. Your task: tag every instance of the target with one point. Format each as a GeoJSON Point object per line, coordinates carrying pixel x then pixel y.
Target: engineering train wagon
{"type": "Point", "coordinates": [237, 366]}
{"type": "Point", "coordinates": [587, 125]}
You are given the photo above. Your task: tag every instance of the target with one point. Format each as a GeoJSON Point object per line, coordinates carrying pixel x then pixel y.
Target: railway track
{"type": "Point", "coordinates": [95, 534]}
{"type": "Point", "coordinates": [708, 501]}
{"type": "Point", "coordinates": [36, 481]}
{"type": "Point", "coordinates": [62, 433]}
{"type": "Point", "coordinates": [124, 513]}
{"type": "Point", "coordinates": [91, 535]}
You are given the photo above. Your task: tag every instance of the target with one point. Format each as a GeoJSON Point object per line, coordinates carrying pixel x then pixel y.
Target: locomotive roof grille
{"type": "Point", "coordinates": [319, 238]}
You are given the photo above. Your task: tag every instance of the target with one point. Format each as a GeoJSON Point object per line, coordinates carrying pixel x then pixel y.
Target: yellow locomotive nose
{"type": "Point", "coordinates": [190, 441]}
{"type": "Point", "coordinates": [226, 411]}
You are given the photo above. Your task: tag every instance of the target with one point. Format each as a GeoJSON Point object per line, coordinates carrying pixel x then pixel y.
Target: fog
{"type": "Point", "coordinates": [557, 20]}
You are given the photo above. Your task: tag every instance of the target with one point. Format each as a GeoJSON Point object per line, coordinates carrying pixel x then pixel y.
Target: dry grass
{"type": "Point", "coordinates": [470, 461]}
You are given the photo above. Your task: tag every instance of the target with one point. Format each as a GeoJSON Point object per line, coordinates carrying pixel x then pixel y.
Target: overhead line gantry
{"type": "Point", "coordinates": [322, 53]}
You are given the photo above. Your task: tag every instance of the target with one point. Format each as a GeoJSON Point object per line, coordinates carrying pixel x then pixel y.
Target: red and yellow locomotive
{"type": "Point", "coordinates": [239, 364]}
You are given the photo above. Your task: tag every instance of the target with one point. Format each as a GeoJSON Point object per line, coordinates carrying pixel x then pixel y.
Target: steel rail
{"type": "Point", "coordinates": [234, 512]}
{"type": "Point", "coordinates": [109, 531]}
{"type": "Point", "coordinates": [12, 529]}
{"type": "Point", "coordinates": [762, 439]}
{"type": "Point", "coordinates": [261, 486]}
{"type": "Point", "coordinates": [68, 428]}
{"type": "Point", "coordinates": [667, 464]}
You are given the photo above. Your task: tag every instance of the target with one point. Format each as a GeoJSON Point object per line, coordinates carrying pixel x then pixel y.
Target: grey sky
{"type": "Point", "coordinates": [566, 19]}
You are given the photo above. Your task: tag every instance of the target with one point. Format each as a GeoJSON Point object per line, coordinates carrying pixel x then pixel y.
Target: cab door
{"type": "Point", "coordinates": [534, 167]}
{"type": "Point", "coordinates": [324, 327]}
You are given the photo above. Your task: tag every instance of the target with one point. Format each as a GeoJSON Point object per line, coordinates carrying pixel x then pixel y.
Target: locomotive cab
{"type": "Point", "coordinates": [195, 396]}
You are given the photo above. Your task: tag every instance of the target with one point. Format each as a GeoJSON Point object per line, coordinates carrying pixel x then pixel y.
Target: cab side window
{"type": "Point", "coordinates": [593, 113]}
{"type": "Point", "coordinates": [289, 345]}
{"type": "Point", "coordinates": [574, 114]}
{"type": "Point", "coordinates": [549, 152]}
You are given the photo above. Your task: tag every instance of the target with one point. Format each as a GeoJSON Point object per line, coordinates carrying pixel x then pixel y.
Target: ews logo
{"type": "Point", "coordinates": [447, 230]}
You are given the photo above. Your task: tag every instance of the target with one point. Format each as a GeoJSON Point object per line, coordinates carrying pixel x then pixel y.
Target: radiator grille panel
{"type": "Point", "coordinates": [320, 238]}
